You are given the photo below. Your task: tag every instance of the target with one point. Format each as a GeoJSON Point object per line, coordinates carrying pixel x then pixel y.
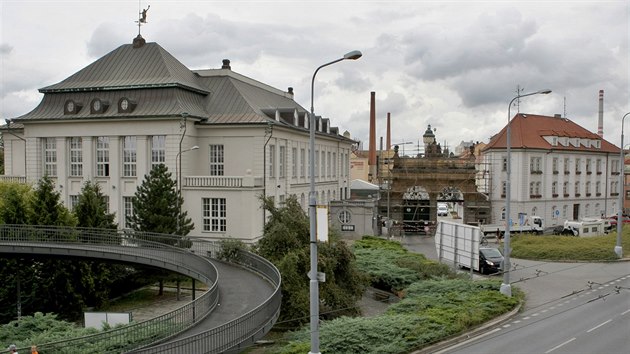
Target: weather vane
{"type": "Point", "coordinates": [143, 16]}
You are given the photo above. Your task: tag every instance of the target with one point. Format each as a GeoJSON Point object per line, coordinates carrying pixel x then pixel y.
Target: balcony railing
{"type": "Point", "coordinates": [222, 181]}
{"type": "Point", "coordinates": [13, 179]}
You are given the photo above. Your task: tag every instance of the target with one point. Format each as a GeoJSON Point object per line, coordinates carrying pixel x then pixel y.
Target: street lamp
{"type": "Point", "coordinates": [178, 175]}
{"type": "Point", "coordinates": [506, 289]}
{"type": "Point", "coordinates": [312, 212]}
{"type": "Point", "coordinates": [618, 247]}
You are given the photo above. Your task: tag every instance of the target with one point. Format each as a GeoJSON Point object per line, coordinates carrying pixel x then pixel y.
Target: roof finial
{"type": "Point", "coordinates": [143, 16]}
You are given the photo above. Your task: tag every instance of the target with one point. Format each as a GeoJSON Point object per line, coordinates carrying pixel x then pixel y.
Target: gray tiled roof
{"type": "Point", "coordinates": [131, 67]}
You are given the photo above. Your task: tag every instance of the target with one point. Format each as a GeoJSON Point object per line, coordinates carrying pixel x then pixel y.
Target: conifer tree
{"type": "Point", "coordinates": [91, 210]}
{"type": "Point", "coordinates": [156, 205]}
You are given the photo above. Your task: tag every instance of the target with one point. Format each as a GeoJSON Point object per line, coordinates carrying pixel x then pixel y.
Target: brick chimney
{"type": "Point", "coordinates": [372, 143]}
{"type": "Point", "coordinates": [389, 132]}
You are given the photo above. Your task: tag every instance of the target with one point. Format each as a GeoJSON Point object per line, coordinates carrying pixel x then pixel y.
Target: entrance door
{"type": "Point", "coordinates": [576, 211]}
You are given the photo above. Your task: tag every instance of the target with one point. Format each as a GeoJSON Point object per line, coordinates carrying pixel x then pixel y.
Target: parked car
{"type": "Point", "coordinates": [490, 260]}
{"type": "Point", "coordinates": [442, 210]}
{"type": "Point", "coordinates": [613, 220]}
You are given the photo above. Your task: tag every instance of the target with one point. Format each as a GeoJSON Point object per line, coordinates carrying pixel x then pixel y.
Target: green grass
{"type": "Point", "coordinates": [569, 248]}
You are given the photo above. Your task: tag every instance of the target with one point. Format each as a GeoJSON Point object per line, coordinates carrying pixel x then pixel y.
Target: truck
{"type": "Point", "coordinates": [459, 245]}
{"type": "Point", "coordinates": [586, 227]}
{"type": "Point", "coordinates": [529, 224]}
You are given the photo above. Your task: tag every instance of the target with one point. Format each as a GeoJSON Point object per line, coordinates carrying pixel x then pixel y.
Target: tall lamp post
{"type": "Point", "coordinates": [618, 247]}
{"type": "Point", "coordinates": [312, 212]}
{"type": "Point", "coordinates": [178, 175]}
{"type": "Point", "coordinates": [506, 289]}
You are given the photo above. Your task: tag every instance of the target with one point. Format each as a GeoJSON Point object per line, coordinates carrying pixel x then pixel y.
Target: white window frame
{"type": "Point", "coordinates": [294, 164]}
{"type": "Point", "coordinates": [158, 150]}
{"type": "Point", "coordinates": [50, 156]}
{"type": "Point", "coordinates": [214, 214]}
{"type": "Point", "coordinates": [102, 156]}
{"type": "Point", "coordinates": [127, 210]}
{"type": "Point", "coordinates": [302, 162]}
{"type": "Point", "coordinates": [217, 159]}
{"type": "Point", "coordinates": [130, 158]}
{"type": "Point", "coordinates": [76, 156]}
{"type": "Point", "coordinates": [272, 160]}
{"type": "Point", "coordinates": [282, 151]}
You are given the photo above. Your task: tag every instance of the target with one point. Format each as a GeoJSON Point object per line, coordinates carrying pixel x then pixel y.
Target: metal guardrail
{"type": "Point", "coordinates": [171, 253]}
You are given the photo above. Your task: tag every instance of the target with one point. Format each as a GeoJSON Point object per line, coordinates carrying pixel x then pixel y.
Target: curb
{"type": "Point", "coordinates": [460, 338]}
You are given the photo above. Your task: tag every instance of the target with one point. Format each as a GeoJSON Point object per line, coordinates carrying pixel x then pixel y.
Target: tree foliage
{"type": "Point", "coordinates": [286, 243]}
{"type": "Point", "coordinates": [91, 210]}
{"type": "Point", "coordinates": [156, 205]}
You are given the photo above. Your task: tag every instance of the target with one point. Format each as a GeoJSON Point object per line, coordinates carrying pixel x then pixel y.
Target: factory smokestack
{"type": "Point", "coordinates": [389, 132]}
{"type": "Point", "coordinates": [600, 122]}
{"type": "Point", "coordinates": [372, 147]}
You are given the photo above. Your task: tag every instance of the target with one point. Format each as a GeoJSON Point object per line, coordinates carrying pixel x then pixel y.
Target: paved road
{"type": "Point", "coordinates": [560, 314]}
{"type": "Point", "coordinates": [596, 320]}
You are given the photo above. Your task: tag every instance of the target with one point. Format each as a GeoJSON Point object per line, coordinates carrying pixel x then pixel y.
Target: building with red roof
{"type": "Point", "coordinates": [560, 171]}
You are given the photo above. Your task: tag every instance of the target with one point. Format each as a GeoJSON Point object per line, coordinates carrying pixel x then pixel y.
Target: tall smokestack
{"type": "Point", "coordinates": [389, 132]}
{"type": "Point", "coordinates": [372, 147]}
{"type": "Point", "coordinates": [600, 122]}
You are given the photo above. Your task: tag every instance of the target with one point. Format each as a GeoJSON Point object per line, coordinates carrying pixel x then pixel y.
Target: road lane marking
{"type": "Point", "coordinates": [625, 312]}
{"type": "Point", "coordinates": [559, 345]}
{"type": "Point", "coordinates": [518, 321]}
{"type": "Point", "coordinates": [543, 311]}
{"type": "Point", "coordinates": [599, 325]}
{"type": "Point", "coordinates": [536, 314]}
{"type": "Point", "coordinates": [526, 318]}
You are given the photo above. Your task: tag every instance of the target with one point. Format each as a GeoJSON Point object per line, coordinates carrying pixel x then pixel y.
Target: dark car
{"type": "Point", "coordinates": [490, 260]}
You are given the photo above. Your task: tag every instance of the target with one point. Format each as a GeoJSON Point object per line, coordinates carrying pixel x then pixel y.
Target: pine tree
{"type": "Point", "coordinates": [156, 205]}
{"type": "Point", "coordinates": [91, 210]}
{"type": "Point", "coordinates": [46, 207]}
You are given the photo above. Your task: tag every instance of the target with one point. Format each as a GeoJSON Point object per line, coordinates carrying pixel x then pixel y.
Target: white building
{"type": "Point", "coordinates": [139, 106]}
{"type": "Point", "coordinates": [560, 171]}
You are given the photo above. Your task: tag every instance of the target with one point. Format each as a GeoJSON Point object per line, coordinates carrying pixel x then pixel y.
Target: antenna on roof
{"type": "Point", "coordinates": [142, 16]}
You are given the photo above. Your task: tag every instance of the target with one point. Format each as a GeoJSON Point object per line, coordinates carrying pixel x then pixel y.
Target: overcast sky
{"type": "Point", "coordinates": [452, 64]}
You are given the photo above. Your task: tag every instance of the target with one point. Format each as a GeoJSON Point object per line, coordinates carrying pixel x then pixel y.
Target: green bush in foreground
{"type": "Point", "coordinates": [391, 267]}
{"type": "Point", "coordinates": [432, 311]}
{"type": "Point", "coordinates": [569, 248]}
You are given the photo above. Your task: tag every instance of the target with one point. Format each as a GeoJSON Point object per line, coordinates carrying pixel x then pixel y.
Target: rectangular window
{"type": "Point", "coordinates": [323, 164]}
{"type": "Point", "coordinates": [102, 156]}
{"type": "Point", "coordinates": [504, 164]}
{"type": "Point", "coordinates": [217, 162]}
{"type": "Point", "coordinates": [334, 164]}
{"type": "Point", "coordinates": [158, 150]}
{"type": "Point", "coordinates": [328, 164]}
{"type": "Point", "coordinates": [316, 163]}
{"type": "Point", "coordinates": [74, 201]}
{"type": "Point", "coordinates": [554, 165]}
{"type": "Point", "coordinates": [128, 210]}
{"type": "Point", "coordinates": [302, 163]}
{"type": "Point", "coordinates": [554, 189]}
{"type": "Point", "coordinates": [214, 214]}
{"type": "Point", "coordinates": [588, 166]}
{"type": "Point", "coordinates": [272, 159]}
{"type": "Point", "coordinates": [106, 202]}
{"type": "Point", "coordinates": [294, 163]}
{"type": "Point", "coordinates": [281, 160]}
{"type": "Point", "coordinates": [577, 166]}
{"type": "Point", "coordinates": [503, 189]}
{"type": "Point", "coordinates": [50, 157]}
{"type": "Point", "coordinates": [76, 157]}
{"type": "Point", "coordinates": [129, 156]}
{"type": "Point", "coordinates": [565, 189]}
{"type": "Point", "coordinates": [598, 166]}
{"type": "Point", "coordinates": [566, 166]}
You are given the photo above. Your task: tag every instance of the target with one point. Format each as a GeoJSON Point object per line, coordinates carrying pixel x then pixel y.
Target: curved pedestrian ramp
{"type": "Point", "coordinates": [240, 306]}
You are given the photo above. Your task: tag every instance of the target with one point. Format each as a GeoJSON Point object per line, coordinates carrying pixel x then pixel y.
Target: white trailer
{"type": "Point", "coordinates": [533, 224]}
{"type": "Point", "coordinates": [458, 244]}
{"type": "Point", "coordinates": [585, 227]}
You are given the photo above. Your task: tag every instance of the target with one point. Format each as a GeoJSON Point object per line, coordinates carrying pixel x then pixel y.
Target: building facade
{"type": "Point", "coordinates": [560, 171]}
{"type": "Point", "coordinates": [226, 138]}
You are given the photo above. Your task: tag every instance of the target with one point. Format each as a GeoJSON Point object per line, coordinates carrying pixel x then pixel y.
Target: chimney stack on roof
{"type": "Point", "coordinates": [600, 122]}
{"type": "Point", "coordinates": [389, 132]}
{"type": "Point", "coordinates": [226, 64]}
{"type": "Point", "coordinates": [372, 143]}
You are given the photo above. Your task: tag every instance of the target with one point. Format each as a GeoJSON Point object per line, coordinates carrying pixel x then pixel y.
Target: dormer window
{"type": "Point", "coordinates": [125, 105]}
{"type": "Point", "coordinates": [72, 107]}
{"type": "Point", "coordinates": [98, 106]}
{"type": "Point", "coordinates": [554, 141]}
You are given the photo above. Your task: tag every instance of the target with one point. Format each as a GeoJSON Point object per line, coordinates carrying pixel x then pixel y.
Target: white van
{"type": "Point", "coordinates": [442, 209]}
